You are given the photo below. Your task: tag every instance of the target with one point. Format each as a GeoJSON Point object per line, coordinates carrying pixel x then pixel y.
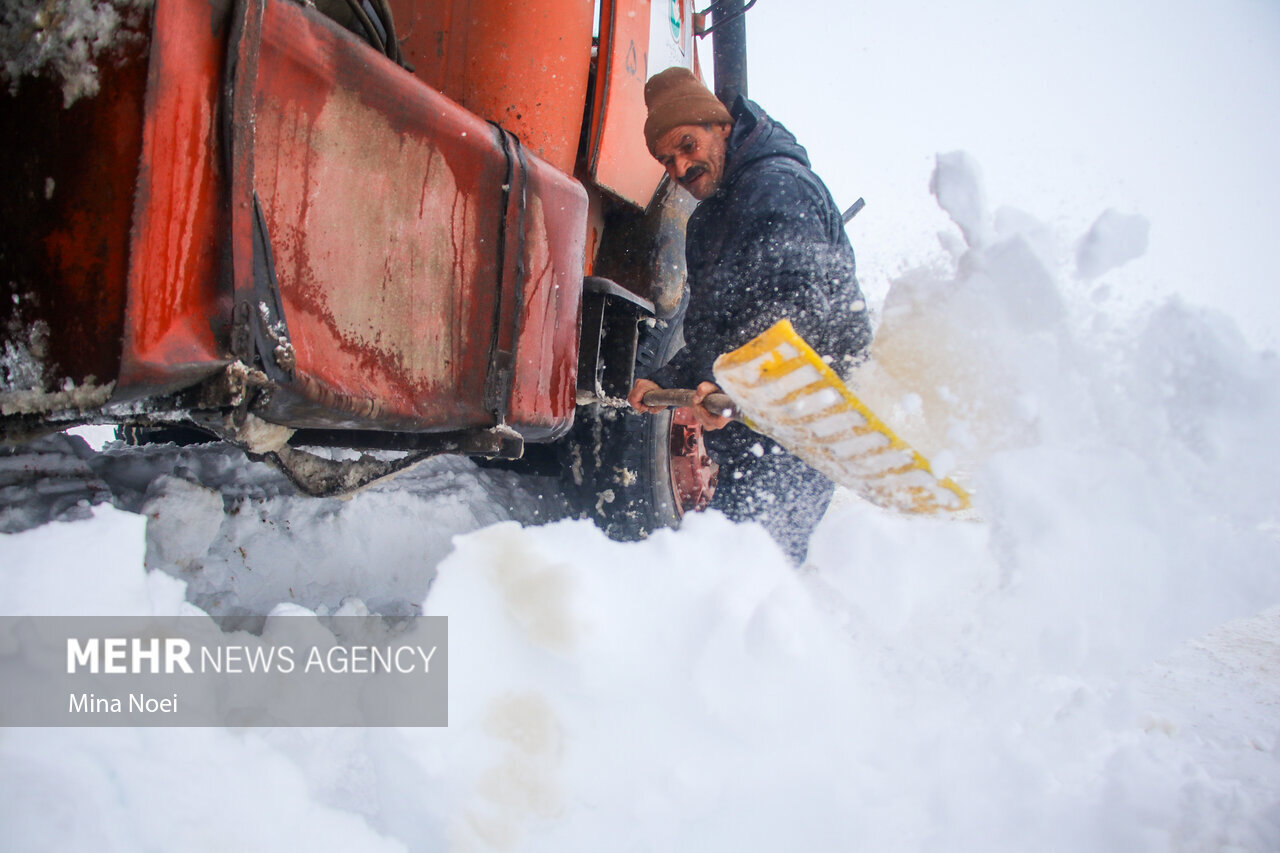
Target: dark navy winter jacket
{"type": "Point", "coordinates": [769, 244]}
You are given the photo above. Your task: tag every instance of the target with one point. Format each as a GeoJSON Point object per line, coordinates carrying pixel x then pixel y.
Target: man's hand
{"type": "Point", "coordinates": [636, 397]}
{"type": "Point", "coordinates": [710, 420]}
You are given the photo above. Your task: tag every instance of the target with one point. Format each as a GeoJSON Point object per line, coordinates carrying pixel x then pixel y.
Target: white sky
{"type": "Point", "coordinates": [1169, 109]}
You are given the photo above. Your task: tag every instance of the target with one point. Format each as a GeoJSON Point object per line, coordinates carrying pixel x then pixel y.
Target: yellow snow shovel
{"type": "Point", "coordinates": [780, 387]}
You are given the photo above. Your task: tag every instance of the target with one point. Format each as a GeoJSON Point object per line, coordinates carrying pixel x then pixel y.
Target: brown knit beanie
{"type": "Point", "coordinates": [674, 98]}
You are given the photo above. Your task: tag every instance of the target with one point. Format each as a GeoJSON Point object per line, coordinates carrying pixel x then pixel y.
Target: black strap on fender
{"type": "Point", "coordinates": [269, 329]}
{"type": "Point", "coordinates": [511, 272]}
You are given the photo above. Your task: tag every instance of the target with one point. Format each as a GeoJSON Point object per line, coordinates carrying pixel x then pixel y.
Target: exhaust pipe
{"type": "Point", "coordinates": [728, 20]}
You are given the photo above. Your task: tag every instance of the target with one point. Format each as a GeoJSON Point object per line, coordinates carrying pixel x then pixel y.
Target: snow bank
{"type": "Point", "coordinates": [242, 538]}
{"type": "Point", "coordinates": [242, 553]}
{"type": "Point", "coordinates": [1093, 666]}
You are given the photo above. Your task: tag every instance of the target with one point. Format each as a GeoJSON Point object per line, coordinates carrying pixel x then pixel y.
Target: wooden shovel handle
{"type": "Point", "coordinates": [717, 403]}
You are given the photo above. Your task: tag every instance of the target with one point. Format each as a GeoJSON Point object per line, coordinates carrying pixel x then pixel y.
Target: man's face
{"type": "Point", "coordinates": [693, 156]}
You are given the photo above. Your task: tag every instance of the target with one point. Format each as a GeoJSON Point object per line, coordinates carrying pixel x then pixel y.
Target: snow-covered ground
{"type": "Point", "coordinates": [1092, 666]}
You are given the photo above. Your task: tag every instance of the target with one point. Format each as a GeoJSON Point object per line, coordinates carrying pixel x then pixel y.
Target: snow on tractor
{"type": "Point", "coordinates": [347, 234]}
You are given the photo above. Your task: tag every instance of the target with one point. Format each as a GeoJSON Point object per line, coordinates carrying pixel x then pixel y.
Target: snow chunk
{"type": "Point", "coordinates": [957, 184]}
{"type": "Point", "coordinates": [1113, 240]}
{"type": "Point", "coordinates": [65, 41]}
{"type": "Point", "coordinates": [22, 365]}
{"type": "Point", "coordinates": [182, 521]}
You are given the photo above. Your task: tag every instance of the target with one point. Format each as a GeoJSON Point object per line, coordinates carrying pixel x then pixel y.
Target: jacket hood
{"type": "Point", "coordinates": [755, 137]}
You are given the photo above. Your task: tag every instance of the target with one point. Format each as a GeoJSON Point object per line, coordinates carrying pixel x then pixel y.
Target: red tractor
{"type": "Point", "coordinates": [399, 227]}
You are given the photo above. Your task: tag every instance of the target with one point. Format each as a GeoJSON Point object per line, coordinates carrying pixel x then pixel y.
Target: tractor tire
{"type": "Point", "coordinates": [618, 464]}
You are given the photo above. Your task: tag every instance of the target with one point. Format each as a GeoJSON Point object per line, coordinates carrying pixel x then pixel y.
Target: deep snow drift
{"type": "Point", "coordinates": [1093, 666]}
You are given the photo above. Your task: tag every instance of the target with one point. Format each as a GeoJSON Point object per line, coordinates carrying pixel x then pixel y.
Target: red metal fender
{"type": "Point", "coordinates": [425, 269]}
{"type": "Point", "coordinates": [177, 313]}
{"type": "Point", "coordinates": [429, 269]}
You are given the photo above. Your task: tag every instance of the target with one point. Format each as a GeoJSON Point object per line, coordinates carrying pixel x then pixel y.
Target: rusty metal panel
{"type": "Point", "coordinates": [395, 219]}
{"type": "Point", "coordinates": [523, 64]}
{"type": "Point", "coordinates": [177, 310]}
{"type": "Point", "coordinates": [115, 262]}
{"type": "Point", "coordinates": [383, 203]}
{"type": "Point", "coordinates": [66, 197]}
{"type": "Point", "coordinates": [543, 393]}
{"type": "Point", "coordinates": [427, 269]}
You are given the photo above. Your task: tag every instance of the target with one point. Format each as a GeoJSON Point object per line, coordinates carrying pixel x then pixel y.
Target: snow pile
{"type": "Point", "coordinates": [1125, 470]}
{"type": "Point", "coordinates": [244, 540]}
{"type": "Point", "coordinates": [65, 40]}
{"type": "Point", "coordinates": [242, 553]}
{"type": "Point", "coordinates": [1093, 666]}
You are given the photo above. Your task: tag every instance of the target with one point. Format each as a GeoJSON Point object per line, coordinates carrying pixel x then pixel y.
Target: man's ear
{"type": "Point", "coordinates": [725, 129]}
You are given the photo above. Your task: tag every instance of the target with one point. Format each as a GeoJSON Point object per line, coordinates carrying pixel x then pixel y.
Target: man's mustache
{"type": "Point", "coordinates": [692, 174]}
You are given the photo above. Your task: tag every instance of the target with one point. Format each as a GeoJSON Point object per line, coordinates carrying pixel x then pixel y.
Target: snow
{"type": "Point", "coordinates": [65, 41]}
{"type": "Point", "coordinates": [1167, 109]}
{"type": "Point", "coordinates": [1113, 240]}
{"type": "Point", "coordinates": [1093, 665]}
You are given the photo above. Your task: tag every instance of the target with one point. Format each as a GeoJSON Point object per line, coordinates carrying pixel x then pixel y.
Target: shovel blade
{"type": "Point", "coordinates": [784, 390]}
